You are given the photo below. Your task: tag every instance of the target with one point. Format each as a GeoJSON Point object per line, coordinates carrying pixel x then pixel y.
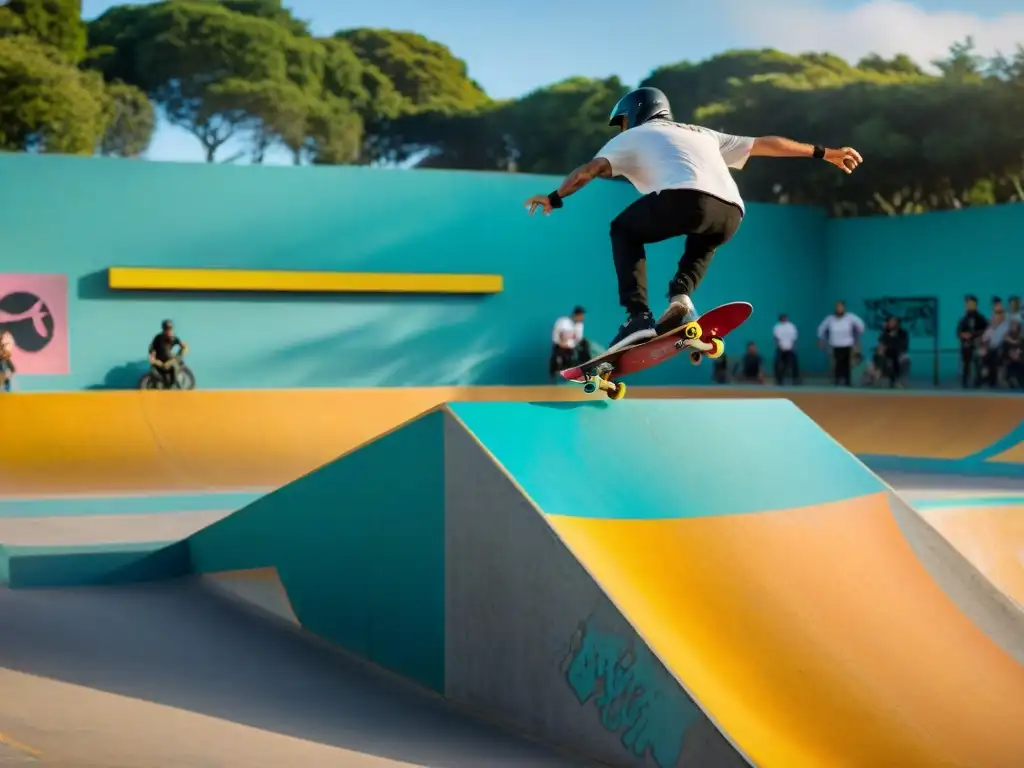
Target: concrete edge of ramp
{"type": "Point", "coordinates": [992, 611]}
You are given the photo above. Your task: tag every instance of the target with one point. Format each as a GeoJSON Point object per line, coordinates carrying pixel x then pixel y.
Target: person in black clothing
{"type": "Point", "coordinates": [895, 342]}
{"type": "Point", "coordinates": [1013, 356]}
{"type": "Point", "coordinates": [969, 330]}
{"type": "Point", "coordinates": [750, 368]}
{"type": "Point", "coordinates": [720, 371]}
{"type": "Point", "coordinates": [162, 356]}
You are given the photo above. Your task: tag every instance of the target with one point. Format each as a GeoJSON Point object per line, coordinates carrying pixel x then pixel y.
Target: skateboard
{"type": "Point", "coordinates": [704, 337]}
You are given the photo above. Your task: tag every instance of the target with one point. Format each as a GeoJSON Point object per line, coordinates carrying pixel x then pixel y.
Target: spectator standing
{"type": "Point", "coordinates": [969, 330]}
{"type": "Point", "coordinates": [786, 335]}
{"type": "Point", "coordinates": [1015, 314]}
{"type": "Point", "coordinates": [7, 370]}
{"type": "Point", "coordinates": [568, 344]}
{"type": "Point", "coordinates": [992, 341]}
{"type": "Point", "coordinates": [841, 331]}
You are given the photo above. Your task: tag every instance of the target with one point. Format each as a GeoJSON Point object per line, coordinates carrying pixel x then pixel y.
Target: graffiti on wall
{"type": "Point", "coordinates": [633, 693]}
{"type": "Point", "coordinates": [919, 315]}
{"type": "Point", "coordinates": [34, 311]}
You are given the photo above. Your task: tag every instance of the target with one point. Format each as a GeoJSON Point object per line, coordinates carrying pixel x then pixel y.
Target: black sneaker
{"type": "Point", "coordinates": [638, 328]}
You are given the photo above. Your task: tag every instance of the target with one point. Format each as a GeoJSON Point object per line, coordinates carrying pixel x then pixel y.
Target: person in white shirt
{"type": "Point", "coordinates": [683, 173]}
{"type": "Point", "coordinates": [786, 335]}
{"type": "Point", "coordinates": [1015, 315]}
{"type": "Point", "coordinates": [841, 331]}
{"type": "Point", "coordinates": [568, 344]}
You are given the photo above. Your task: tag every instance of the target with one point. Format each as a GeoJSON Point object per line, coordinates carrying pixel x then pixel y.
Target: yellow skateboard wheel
{"type": "Point", "coordinates": [717, 348]}
{"type": "Point", "coordinates": [692, 331]}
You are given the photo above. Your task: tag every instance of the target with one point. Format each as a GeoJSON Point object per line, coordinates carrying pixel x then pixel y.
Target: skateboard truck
{"type": "Point", "coordinates": [599, 378]}
{"type": "Point", "coordinates": [615, 390]}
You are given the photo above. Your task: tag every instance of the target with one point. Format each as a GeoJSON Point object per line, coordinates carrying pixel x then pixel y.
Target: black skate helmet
{"type": "Point", "coordinates": [639, 106]}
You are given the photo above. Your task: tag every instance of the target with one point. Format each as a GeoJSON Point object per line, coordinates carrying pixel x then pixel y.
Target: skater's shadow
{"type": "Point", "coordinates": [574, 405]}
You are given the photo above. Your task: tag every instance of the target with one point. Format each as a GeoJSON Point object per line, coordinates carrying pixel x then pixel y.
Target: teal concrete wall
{"type": "Point", "coordinates": [947, 255]}
{"type": "Point", "coordinates": [80, 216]}
{"type": "Point", "coordinates": [359, 547]}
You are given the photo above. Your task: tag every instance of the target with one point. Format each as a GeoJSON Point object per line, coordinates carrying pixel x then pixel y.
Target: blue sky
{"type": "Point", "coordinates": [514, 47]}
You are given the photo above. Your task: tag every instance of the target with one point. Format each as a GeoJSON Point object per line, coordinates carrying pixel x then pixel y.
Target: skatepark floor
{"type": "Point", "coordinates": [172, 674]}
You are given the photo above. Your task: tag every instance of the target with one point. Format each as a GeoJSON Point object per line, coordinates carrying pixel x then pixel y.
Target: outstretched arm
{"type": "Point", "coordinates": [598, 168]}
{"type": "Point", "coordinates": [846, 159]}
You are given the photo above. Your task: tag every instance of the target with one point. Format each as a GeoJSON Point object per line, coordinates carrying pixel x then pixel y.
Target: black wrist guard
{"type": "Point", "coordinates": [819, 152]}
{"type": "Point", "coordinates": [555, 199]}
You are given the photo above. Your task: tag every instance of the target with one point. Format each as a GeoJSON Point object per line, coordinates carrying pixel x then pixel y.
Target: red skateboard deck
{"type": "Point", "coordinates": [703, 338]}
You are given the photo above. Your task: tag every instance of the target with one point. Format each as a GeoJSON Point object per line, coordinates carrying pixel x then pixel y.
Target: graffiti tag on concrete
{"type": "Point", "coordinates": [633, 694]}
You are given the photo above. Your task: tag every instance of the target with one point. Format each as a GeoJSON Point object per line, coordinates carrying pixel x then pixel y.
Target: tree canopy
{"type": "Point", "coordinates": [946, 135]}
{"type": "Point", "coordinates": [48, 101]}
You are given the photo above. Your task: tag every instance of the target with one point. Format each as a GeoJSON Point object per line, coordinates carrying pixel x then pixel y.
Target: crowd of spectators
{"type": "Point", "coordinates": [990, 347]}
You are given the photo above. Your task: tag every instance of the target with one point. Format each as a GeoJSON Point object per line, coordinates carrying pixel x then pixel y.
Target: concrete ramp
{"type": "Point", "coordinates": [657, 583]}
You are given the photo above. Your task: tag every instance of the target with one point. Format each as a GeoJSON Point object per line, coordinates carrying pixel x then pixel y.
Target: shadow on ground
{"type": "Point", "coordinates": [180, 645]}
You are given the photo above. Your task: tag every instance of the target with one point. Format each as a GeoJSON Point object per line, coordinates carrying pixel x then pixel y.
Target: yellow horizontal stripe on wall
{"type": "Point", "coordinates": [171, 279]}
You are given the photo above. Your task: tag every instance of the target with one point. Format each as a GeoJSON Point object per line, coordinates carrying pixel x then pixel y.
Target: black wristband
{"type": "Point", "coordinates": [555, 199]}
{"type": "Point", "coordinates": [819, 152]}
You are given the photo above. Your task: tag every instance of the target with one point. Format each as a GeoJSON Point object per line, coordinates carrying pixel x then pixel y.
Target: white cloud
{"type": "Point", "coordinates": [885, 27]}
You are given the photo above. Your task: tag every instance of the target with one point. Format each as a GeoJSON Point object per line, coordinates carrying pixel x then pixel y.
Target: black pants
{"type": "Point", "coordinates": [988, 369]}
{"type": "Point", "coordinates": [842, 364]}
{"type": "Point", "coordinates": [1015, 374]}
{"type": "Point", "coordinates": [707, 221]}
{"type": "Point", "coordinates": [786, 361]}
{"type": "Point", "coordinates": [966, 365]}
{"type": "Point", "coordinates": [566, 358]}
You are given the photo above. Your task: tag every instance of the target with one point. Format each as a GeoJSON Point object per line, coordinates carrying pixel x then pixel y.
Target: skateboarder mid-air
{"type": "Point", "coordinates": [683, 173]}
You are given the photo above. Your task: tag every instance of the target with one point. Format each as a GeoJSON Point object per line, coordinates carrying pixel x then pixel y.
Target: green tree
{"type": "Point", "coordinates": [425, 73]}
{"type": "Point", "coordinates": [407, 74]}
{"type": "Point", "coordinates": [130, 122]}
{"type": "Point", "coordinates": [271, 10]}
{"type": "Point", "coordinates": [56, 23]}
{"type": "Point", "coordinates": [189, 58]}
{"type": "Point", "coordinates": [48, 104]}
{"type": "Point", "coordinates": [692, 85]}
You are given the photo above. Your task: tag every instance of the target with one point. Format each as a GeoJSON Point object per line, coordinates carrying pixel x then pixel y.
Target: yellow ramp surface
{"type": "Point", "coordinates": [117, 442]}
{"type": "Point", "coordinates": [813, 637]}
{"type": "Point", "coordinates": [111, 442]}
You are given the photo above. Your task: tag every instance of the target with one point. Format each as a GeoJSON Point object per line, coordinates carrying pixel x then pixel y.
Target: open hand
{"type": "Point", "coordinates": [538, 201]}
{"type": "Point", "coordinates": [846, 159]}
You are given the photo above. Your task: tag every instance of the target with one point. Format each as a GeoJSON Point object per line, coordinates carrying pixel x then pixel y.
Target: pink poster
{"type": "Point", "coordinates": [34, 310]}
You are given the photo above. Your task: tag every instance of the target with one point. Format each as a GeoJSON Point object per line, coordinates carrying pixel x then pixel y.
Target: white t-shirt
{"type": "Point", "coordinates": [665, 155]}
{"type": "Point", "coordinates": [572, 330]}
{"type": "Point", "coordinates": [785, 335]}
{"type": "Point", "coordinates": [841, 331]}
